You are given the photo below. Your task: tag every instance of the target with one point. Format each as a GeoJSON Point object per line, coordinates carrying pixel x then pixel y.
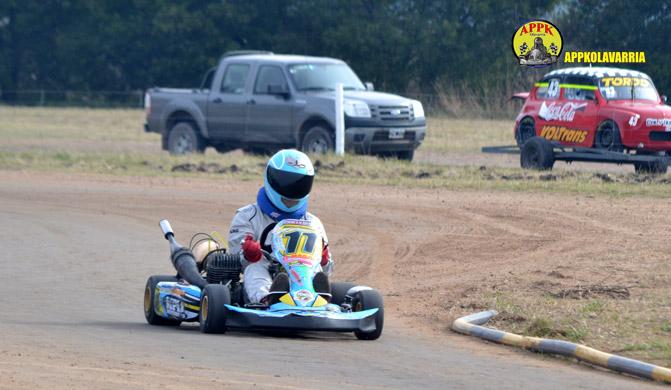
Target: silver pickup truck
{"type": "Point", "coordinates": [263, 101]}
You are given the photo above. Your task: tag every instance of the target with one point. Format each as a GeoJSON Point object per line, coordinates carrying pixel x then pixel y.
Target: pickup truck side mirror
{"type": "Point", "coordinates": [279, 90]}
{"type": "Point", "coordinates": [664, 98]}
{"type": "Point", "coordinates": [369, 86]}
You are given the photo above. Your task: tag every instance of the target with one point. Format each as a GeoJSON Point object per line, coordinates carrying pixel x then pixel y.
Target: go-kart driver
{"type": "Point", "coordinates": [285, 195]}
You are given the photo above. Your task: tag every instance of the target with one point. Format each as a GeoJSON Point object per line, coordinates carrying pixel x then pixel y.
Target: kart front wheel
{"type": "Point", "coordinates": [150, 301]}
{"type": "Point", "coordinates": [339, 291]}
{"type": "Point", "coordinates": [365, 300]}
{"type": "Point", "coordinates": [212, 309]}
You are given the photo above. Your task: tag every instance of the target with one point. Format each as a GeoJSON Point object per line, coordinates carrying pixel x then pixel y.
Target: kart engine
{"type": "Point", "coordinates": [222, 267]}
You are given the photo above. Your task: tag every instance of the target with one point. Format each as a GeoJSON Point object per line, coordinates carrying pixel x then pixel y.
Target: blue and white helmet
{"type": "Point", "coordinates": [289, 175]}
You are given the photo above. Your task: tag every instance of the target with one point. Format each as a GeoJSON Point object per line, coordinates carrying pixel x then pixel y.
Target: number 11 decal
{"type": "Point", "coordinates": [299, 242]}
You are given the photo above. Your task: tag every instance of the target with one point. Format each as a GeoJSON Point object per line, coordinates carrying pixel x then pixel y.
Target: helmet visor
{"type": "Point", "coordinates": [289, 184]}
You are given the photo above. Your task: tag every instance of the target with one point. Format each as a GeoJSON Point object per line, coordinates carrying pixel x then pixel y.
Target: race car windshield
{"type": "Point", "coordinates": [324, 77]}
{"type": "Point", "coordinates": [628, 88]}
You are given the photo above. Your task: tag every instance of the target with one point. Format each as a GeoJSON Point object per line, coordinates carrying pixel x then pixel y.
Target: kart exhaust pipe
{"type": "Point", "coordinates": [182, 258]}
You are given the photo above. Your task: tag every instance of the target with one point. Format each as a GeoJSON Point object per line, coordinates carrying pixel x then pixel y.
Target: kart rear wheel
{"type": "Point", "coordinates": [150, 299]}
{"type": "Point", "coordinates": [369, 299]}
{"type": "Point", "coordinates": [339, 290]}
{"type": "Point", "coordinates": [212, 309]}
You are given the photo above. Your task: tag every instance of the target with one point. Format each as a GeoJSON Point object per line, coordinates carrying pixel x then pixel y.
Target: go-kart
{"type": "Point", "coordinates": [222, 304]}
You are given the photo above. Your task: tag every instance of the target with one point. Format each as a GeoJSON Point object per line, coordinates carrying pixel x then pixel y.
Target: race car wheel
{"type": "Point", "coordinates": [651, 168]}
{"type": "Point", "coordinates": [184, 138]}
{"type": "Point", "coordinates": [212, 309]}
{"type": "Point", "coordinates": [525, 131]}
{"type": "Point", "coordinates": [608, 137]}
{"type": "Point", "coordinates": [339, 290]}
{"type": "Point", "coordinates": [369, 299]}
{"type": "Point", "coordinates": [537, 154]}
{"type": "Point", "coordinates": [150, 299]}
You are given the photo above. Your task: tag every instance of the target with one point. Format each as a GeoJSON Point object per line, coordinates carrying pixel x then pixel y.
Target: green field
{"type": "Point", "coordinates": [112, 142]}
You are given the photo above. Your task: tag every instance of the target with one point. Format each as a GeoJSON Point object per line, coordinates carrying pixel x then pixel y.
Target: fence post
{"type": "Point", "coordinates": [339, 121]}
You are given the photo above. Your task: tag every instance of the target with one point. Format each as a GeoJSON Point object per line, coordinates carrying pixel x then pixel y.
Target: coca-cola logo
{"type": "Point", "coordinates": [560, 112]}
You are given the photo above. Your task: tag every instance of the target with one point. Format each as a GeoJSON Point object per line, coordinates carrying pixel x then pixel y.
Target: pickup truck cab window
{"type": "Point", "coordinates": [235, 78]}
{"type": "Point", "coordinates": [268, 76]}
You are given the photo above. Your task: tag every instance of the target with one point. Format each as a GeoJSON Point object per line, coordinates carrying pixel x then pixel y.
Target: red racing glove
{"type": "Point", "coordinates": [326, 255]}
{"type": "Point", "coordinates": [251, 249]}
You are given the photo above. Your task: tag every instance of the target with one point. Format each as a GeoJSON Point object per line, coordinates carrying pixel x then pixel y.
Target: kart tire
{"type": "Point", "coordinates": [651, 168]}
{"type": "Point", "coordinates": [212, 310]}
{"type": "Point", "coordinates": [537, 154]}
{"type": "Point", "coordinates": [339, 290]}
{"type": "Point", "coordinates": [369, 299]}
{"type": "Point", "coordinates": [150, 298]}
{"type": "Point", "coordinates": [525, 131]}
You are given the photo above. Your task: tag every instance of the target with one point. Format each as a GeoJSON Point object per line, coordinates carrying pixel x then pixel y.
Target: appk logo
{"type": "Point", "coordinates": [537, 43]}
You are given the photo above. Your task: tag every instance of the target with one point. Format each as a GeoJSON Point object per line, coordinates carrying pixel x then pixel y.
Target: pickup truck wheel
{"type": "Point", "coordinates": [317, 141]}
{"type": "Point", "coordinates": [184, 139]}
{"type": "Point", "coordinates": [406, 155]}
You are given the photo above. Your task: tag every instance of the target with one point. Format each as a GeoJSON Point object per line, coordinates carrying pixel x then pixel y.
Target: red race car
{"type": "Point", "coordinates": [604, 108]}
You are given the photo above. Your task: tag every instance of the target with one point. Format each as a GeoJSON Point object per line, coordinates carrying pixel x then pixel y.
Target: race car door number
{"type": "Point", "coordinates": [396, 133]}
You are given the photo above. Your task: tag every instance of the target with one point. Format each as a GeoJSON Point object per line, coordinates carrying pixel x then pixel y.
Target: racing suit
{"type": "Point", "coordinates": [251, 220]}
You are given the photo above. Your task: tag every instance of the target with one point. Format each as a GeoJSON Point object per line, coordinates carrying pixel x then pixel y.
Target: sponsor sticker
{"type": "Point", "coordinates": [303, 296]}
{"type": "Point", "coordinates": [560, 112]}
{"type": "Point", "coordinates": [563, 134]}
{"type": "Point", "coordinates": [174, 307]}
{"type": "Point", "coordinates": [659, 122]}
{"type": "Point", "coordinates": [537, 43]}
{"type": "Point", "coordinates": [625, 82]}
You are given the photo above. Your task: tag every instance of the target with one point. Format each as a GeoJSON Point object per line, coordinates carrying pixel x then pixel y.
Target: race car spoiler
{"type": "Point", "coordinates": [520, 95]}
{"type": "Point", "coordinates": [239, 317]}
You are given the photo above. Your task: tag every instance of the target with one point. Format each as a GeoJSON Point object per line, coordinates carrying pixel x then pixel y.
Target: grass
{"type": "Point", "coordinates": [72, 124]}
{"type": "Point", "coordinates": [361, 170]}
{"type": "Point", "coordinates": [659, 351]}
{"type": "Point", "coordinates": [112, 142]}
{"type": "Point", "coordinates": [638, 328]}
{"type": "Point", "coordinates": [446, 135]}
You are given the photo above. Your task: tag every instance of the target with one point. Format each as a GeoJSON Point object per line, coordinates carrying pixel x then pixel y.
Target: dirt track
{"type": "Point", "coordinates": [77, 251]}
